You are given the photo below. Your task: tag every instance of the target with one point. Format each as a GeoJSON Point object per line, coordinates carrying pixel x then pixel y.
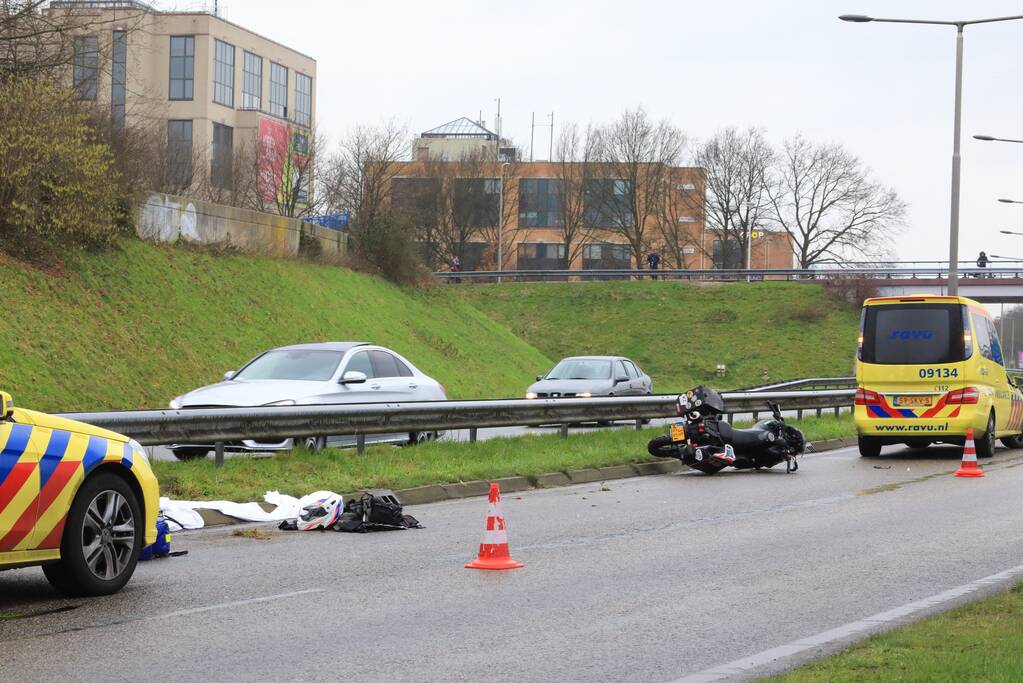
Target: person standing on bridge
{"type": "Point", "coordinates": [653, 262]}
{"type": "Point", "coordinates": [982, 261]}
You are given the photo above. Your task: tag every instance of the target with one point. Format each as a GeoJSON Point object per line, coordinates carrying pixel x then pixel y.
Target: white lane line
{"type": "Point", "coordinates": [745, 666]}
{"type": "Point", "coordinates": [236, 603]}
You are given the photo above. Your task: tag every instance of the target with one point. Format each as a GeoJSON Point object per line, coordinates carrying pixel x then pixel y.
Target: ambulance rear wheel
{"type": "Point", "coordinates": [986, 441]}
{"type": "Point", "coordinates": [1013, 441]}
{"type": "Point", "coordinates": [102, 539]}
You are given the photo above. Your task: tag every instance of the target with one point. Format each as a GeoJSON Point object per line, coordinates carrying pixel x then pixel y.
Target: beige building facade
{"type": "Point", "coordinates": [211, 84]}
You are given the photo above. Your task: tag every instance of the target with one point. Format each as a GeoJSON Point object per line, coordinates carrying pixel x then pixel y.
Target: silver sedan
{"type": "Point", "coordinates": [314, 374]}
{"type": "Point", "coordinates": [586, 376]}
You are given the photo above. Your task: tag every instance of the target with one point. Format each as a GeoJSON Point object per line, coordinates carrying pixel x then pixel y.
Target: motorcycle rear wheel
{"type": "Point", "coordinates": [662, 447]}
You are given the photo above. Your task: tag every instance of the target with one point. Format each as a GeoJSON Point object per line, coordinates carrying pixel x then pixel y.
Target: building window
{"type": "Point", "coordinates": [540, 202]}
{"type": "Point", "coordinates": [252, 81]}
{"type": "Point", "coordinates": [86, 68]}
{"type": "Point", "coordinates": [476, 202]}
{"type": "Point", "coordinates": [222, 168]}
{"type": "Point", "coordinates": [606, 257]}
{"type": "Point", "coordinates": [182, 67]}
{"type": "Point", "coordinates": [300, 143]}
{"type": "Point", "coordinates": [303, 100]}
{"type": "Point", "coordinates": [118, 77]}
{"type": "Point", "coordinates": [607, 203]}
{"type": "Point", "coordinates": [223, 73]}
{"type": "Point", "coordinates": [540, 256]}
{"type": "Point", "coordinates": [278, 90]}
{"type": "Point", "coordinates": [727, 254]}
{"type": "Point", "coordinates": [179, 153]}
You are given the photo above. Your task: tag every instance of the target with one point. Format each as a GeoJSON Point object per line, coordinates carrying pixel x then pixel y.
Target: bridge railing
{"type": "Point", "coordinates": [808, 274]}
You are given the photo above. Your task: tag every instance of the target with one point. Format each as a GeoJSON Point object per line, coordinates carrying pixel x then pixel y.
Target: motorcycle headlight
{"type": "Point", "coordinates": [138, 452]}
{"type": "Point", "coordinates": [285, 402]}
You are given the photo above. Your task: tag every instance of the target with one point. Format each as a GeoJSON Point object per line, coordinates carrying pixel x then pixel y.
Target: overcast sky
{"type": "Point", "coordinates": [883, 91]}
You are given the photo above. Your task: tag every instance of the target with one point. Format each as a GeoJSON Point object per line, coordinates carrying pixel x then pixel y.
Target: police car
{"type": "Point", "coordinates": [78, 500]}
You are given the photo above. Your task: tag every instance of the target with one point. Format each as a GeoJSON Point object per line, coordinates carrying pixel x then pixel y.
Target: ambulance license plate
{"type": "Point", "coordinates": [913, 400]}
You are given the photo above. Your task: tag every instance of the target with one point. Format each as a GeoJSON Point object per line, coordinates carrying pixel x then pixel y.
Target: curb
{"type": "Point", "coordinates": [435, 493]}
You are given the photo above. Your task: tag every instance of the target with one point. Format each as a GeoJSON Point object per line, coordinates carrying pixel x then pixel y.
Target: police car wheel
{"type": "Point", "coordinates": [1013, 441]}
{"type": "Point", "coordinates": [103, 536]}
{"type": "Point", "coordinates": [190, 453]}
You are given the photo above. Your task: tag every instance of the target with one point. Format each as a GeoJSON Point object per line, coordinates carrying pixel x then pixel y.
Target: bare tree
{"type": "Point", "coordinates": [38, 39]}
{"type": "Point", "coordinates": [357, 178]}
{"type": "Point", "coordinates": [826, 201]}
{"type": "Point", "coordinates": [574, 168]}
{"type": "Point", "coordinates": [736, 200]}
{"type": "Point", "coordinates": [636, 158]}
{"type": "Point", "coordinates": [286, 174]}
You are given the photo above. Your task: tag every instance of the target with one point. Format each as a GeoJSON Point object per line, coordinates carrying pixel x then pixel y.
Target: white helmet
{"type": "Point", "coordinates": [318, 510]}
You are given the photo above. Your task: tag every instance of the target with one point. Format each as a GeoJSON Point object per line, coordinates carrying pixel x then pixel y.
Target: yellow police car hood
{"type": "Point", "coordinates": [37, 419]}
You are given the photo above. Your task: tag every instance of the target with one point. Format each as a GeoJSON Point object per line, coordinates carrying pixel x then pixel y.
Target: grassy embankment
{"type": "Point", "coordinates": [678, 332]}
{"type": "Point", "coordinates": [136, 327]}
{"type": "Point", "coordinates": [977, 642]}
{"type": "Point", "coordinates": [300, 472]}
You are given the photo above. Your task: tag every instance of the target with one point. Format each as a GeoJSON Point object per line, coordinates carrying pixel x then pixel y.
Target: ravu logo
{"type": "Point", "coordinates": [906, 335]}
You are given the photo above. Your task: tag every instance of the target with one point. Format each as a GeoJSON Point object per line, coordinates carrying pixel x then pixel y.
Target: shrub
{"type": "Point", "coordinates": [388, 244]}
{"type": "Point", "coordinates": [808, 311]}
{"type": "Point", "coordinates": [58, 189]}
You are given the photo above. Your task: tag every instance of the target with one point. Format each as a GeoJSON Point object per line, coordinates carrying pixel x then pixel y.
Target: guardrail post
{"type": "Point", "coordinates": [820, 411]}
{"type": "Point", "coordinates": [799, 414]}
{"type": "Point", "coordinates": [838, 410]}
{"type": "Point", "coordinates": [218, 454]}
{"type": "Point", "coordinates": [639, 424]}
{"type": "Point", "coordinates": [564, 431]}
{"type": "Point", "coordinates": [360, 444]}
{"type": "Point", "coordinates": [473, 433]}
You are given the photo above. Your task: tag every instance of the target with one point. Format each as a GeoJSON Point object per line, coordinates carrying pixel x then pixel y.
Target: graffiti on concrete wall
{"type": "Point", "coordinates": [168, 219]}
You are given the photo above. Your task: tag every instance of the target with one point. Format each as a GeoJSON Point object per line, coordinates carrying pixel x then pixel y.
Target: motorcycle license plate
{"type": "Point", "coordinates": [678, 431]}
{"type": "Point", "coordinates": [913, 400]}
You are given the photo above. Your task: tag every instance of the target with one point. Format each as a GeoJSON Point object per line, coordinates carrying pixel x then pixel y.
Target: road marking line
{"type": "Point", "coordinates": [236, 603]}
{"type": "Point", "coordinates": [745, 666]}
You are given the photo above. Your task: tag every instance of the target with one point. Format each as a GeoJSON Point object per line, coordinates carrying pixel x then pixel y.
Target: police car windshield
{"type": "Point", "coordinates": [581, 368]}
{"type": "Point", "coordinates": [292, 364]}
{"type": "Point", "coordinates": [911, 334]}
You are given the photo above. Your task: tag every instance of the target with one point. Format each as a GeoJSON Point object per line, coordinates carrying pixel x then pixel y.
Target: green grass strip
{"type": "Point", "coordinates": [301, 472]}
{"type": "Point", "coordinates": [982, 641]}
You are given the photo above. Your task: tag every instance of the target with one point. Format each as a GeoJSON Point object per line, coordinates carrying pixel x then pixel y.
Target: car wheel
{"type": "Point", "coordinates": [190, 453]}
{"type": "Point", "coordinates": [314, 443]}
{"type": "Point", "coordinates": [869, 448]}
{"type": "Point", "coordinates": [103, 536]}
{"type": "Point", "coordinates": [918, 444]}
{"type": "Point", "coordinates": [986, 443]}
{"type": "Point", "coordinates": [416, 438]}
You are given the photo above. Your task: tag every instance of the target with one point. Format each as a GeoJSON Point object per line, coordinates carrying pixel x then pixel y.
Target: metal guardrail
{"type": "Point", "coordinates": [808, 384]}
{"type": "Point", "coordinates": [274, 424]}
{"type": "Point", "coordinates": [899, 272]}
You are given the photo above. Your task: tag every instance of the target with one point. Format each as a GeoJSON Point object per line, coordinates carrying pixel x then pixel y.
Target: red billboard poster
{"type": "Point", "coordinates": [274, 156]}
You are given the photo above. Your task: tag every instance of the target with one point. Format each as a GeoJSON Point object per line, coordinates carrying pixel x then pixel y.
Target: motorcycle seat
{"type": "Point", "coordinates": [742, 438]}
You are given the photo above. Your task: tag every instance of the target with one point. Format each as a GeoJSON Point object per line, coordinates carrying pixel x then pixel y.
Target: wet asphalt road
{"type": "Point", "coordinates": [649, 580]}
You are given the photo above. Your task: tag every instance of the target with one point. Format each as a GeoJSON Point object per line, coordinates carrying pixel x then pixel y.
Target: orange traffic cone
{"type": "Point", "coordinates": [494, 552]}
{"type": "Point", "coordinates": [969, 468]}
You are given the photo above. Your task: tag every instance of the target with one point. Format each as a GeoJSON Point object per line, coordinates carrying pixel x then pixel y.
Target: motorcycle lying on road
{"type": "Point", "coordinates": [704, 440]}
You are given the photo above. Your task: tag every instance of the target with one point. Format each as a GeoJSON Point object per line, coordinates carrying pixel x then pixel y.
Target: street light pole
{"type": "Point", "coordinates": [953, 246]}
{"type": "Point", "coordinates": [500, 226]}
{"type": "Point", "coordinates": [953, 238]}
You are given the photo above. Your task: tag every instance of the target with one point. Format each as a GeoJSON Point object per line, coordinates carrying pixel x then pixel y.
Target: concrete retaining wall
{"type": "Point", "coordinates": [169, 218]}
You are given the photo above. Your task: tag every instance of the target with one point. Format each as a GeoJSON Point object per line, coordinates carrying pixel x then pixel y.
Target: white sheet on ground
{"type": "Point", "coordinates": [184, 511]}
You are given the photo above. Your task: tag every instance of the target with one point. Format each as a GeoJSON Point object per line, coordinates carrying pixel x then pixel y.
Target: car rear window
{"type": "Point", "coordinates": [913, 334]}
